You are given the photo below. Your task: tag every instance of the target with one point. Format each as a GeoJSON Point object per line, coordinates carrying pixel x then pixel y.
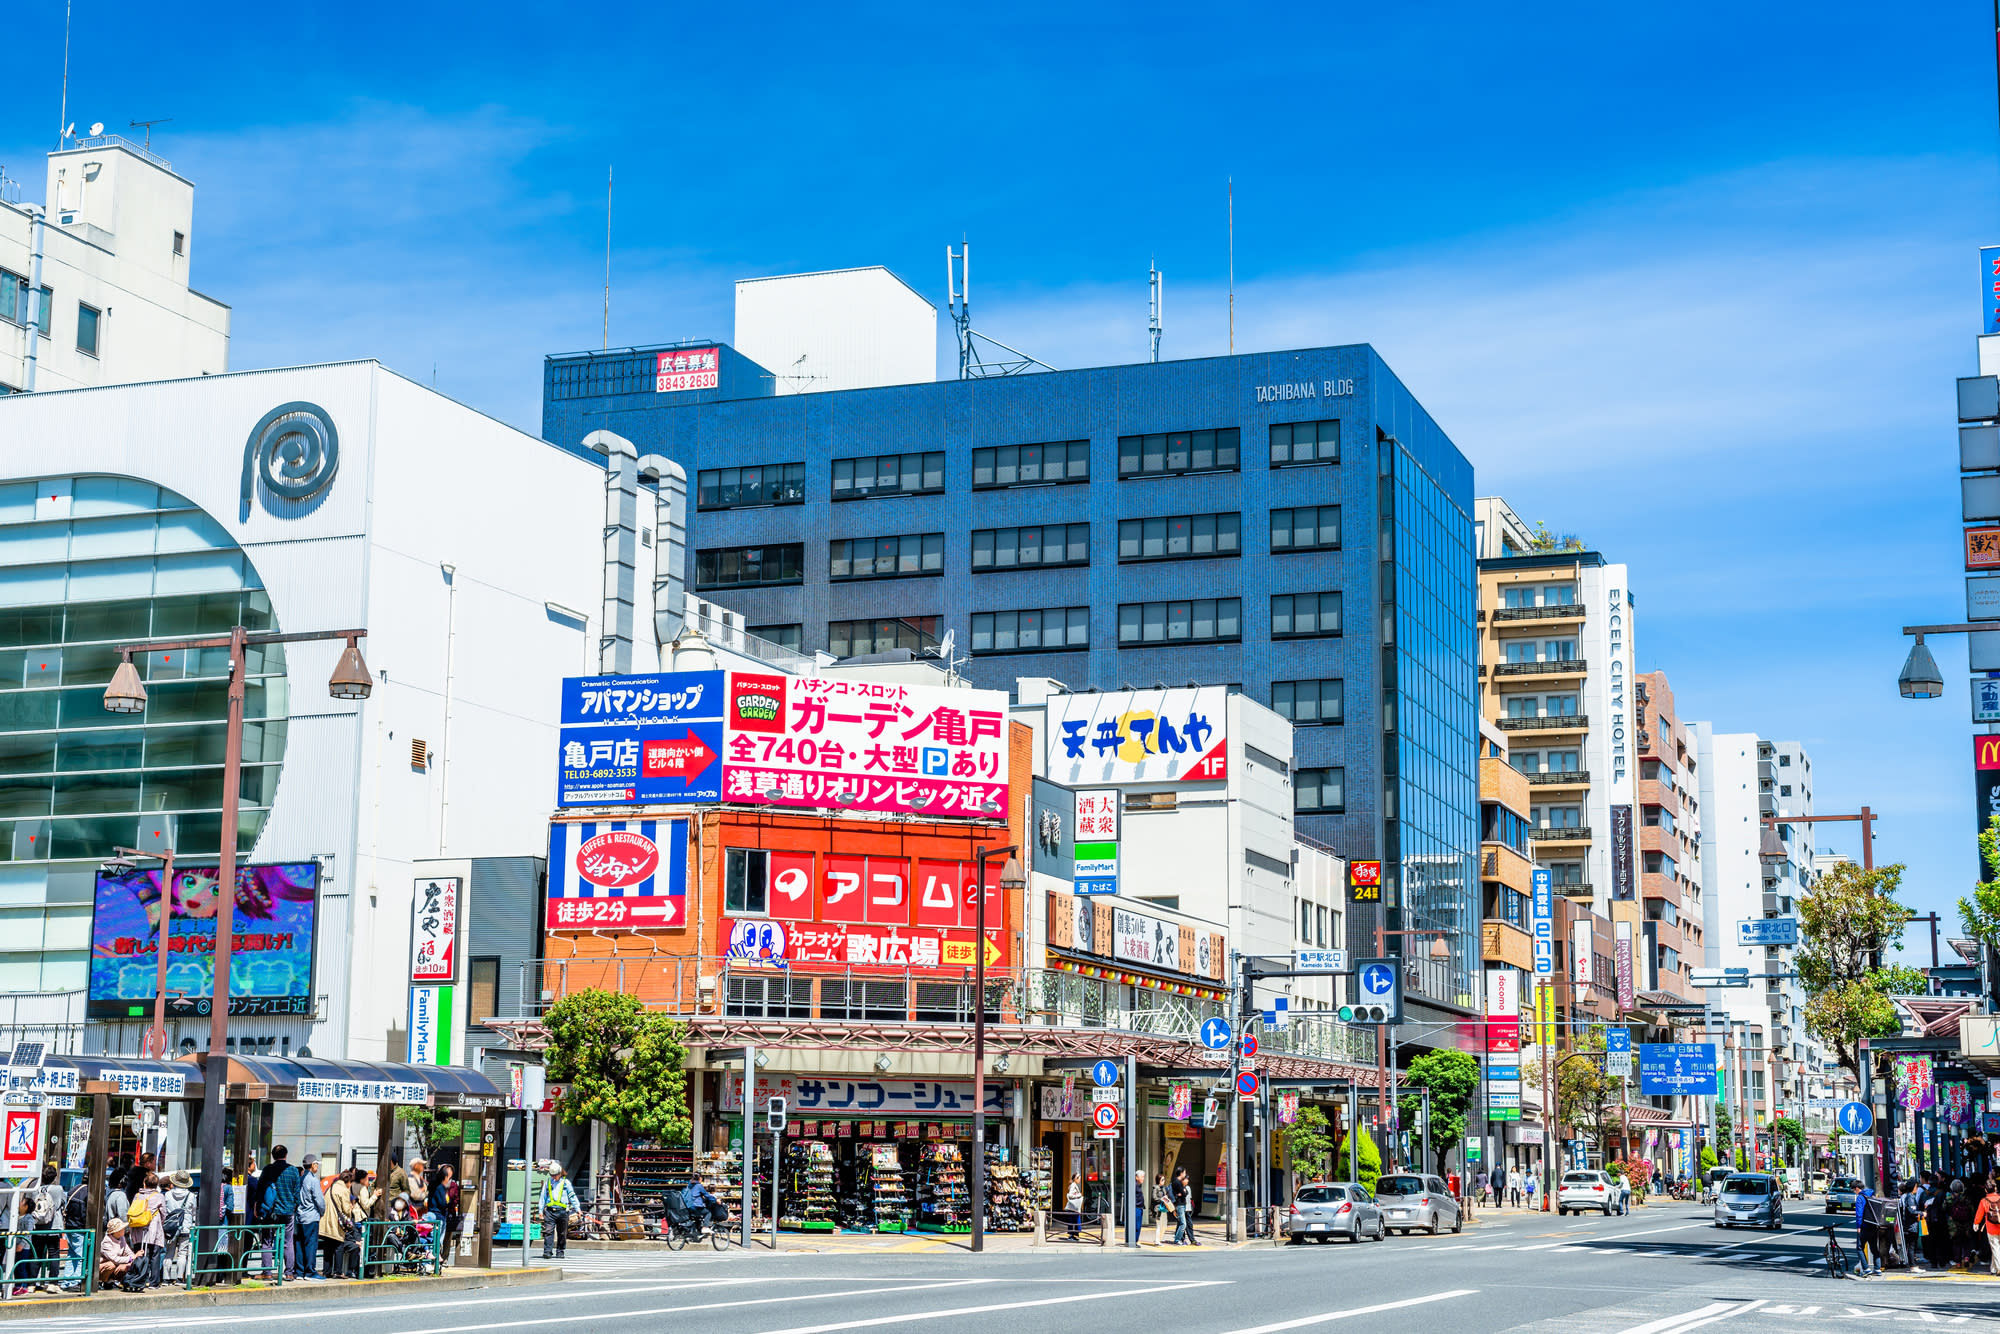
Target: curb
{"type": "Point", "coordinates": [111, 1303]}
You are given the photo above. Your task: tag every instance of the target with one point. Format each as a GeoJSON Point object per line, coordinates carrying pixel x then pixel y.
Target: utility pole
{"type": "Point", "coordinates": [1543, 1038]}
{"type": "Point", "coordinates": [1231, 1197]}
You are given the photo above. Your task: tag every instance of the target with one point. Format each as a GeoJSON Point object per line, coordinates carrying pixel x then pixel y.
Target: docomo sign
{"type": "Point", "coordinates": [688, 368]}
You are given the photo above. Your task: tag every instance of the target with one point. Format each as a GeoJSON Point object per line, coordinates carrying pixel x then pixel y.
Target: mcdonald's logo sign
{"type": "Point", "coordinates": [1986, 752]}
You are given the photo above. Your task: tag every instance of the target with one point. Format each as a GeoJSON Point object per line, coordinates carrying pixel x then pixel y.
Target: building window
{"type": "Point", "coordinates": [17, 303]}
{"type": "Point", "coordinates": [888, 475]}
{"type": "Point", "coordinates": [1566, 873]}
{"type": "Point", "coordinates": [180, 243]}
{"type": "Point", "coordinates": [1180, 536]}
{"type": "Point", "coordinates": [1305, 921]}
{"type": "Point", "coordinates": [886, 557]}
{"type": "Point", "coordinates": [1559, 706]}
{"type": "Point", "coordinates": [1559, 595]}
{"type": "Point", "coordinates": [1557, 817]}
{"type": "Point", "coordinates": [1033, 631]}
{"type": "Point", "coordinates": [852, 639]}
{"type": "Point", "coordinates": [744, 877]}
{"type": "Point", "coordinates": [1304, 615]}
{"type": "Point", "coordinates": [1309, 703]}
{"type": "Point", "coordinates": [733, 488]}
{"type": "Point", "coordinates": [749, 567]}
{"type": "Point", "coordinates": [1304, 442]}
{"type": "Point", "coordinates": [1031, 465]}
{"type": "Point", "coordinates": [86, 329]}
{"type": "Point", "coordinates": [1179, 451]}
{"type": "Point", "coordinates": [790, 637]}
{"type": "Point", "coordinates": [1562, 761]}
{"type": "Point", "coordinates": [1320, 791]}
{"type": "Point", "coordinates": [1019, 548]}
{"type": "Point", "coordinates": [1785, 789]}
{"type": "Point", "coordinates": [1307, 528]}
{"type": "Point", "coordinates": [1196, 621]}
{"type": "Point", "coordinates": [483, 991]}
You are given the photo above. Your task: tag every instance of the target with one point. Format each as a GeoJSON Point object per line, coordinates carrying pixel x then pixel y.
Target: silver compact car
{"type": "Point", "coordinates": [1751, 1198]}
{"type": "Point", "coordinates": [1410, 1201]}
{"type": "Point", "coordinates": [1326, 1209]}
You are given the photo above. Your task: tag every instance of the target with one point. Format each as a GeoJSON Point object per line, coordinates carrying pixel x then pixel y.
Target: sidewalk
{"type": "Point", "coordinates": [179, 1299]}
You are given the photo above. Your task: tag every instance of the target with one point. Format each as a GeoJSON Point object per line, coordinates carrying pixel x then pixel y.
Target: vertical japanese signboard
{"type": "Point", "coordinates": [1985, 780]}
{"type": "Point", "coordinates": [764, 738]}
{"type": "Point", "coordinates": [1622, 872]}
{"type": "Point", "coordinates": [1622, 962]}
{"type": "Point", "coordinates": [1542, 904]}
{"type": "Point", "coordinates": [1139, 736]}
{"type": "Point", "coordinates": [1989, 288]}
{"type": "Point", "coordinates": [434, 929]}
{"type": "Point", "coordinates": [1097, 841]}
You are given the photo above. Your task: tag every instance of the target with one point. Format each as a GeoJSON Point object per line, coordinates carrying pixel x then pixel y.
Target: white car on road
{"type": "Point", "coordinates": [1588, 1188]}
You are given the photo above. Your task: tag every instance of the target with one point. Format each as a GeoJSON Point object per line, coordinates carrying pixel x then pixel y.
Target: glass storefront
{"type": "Point", "coordinates": [89, 563]}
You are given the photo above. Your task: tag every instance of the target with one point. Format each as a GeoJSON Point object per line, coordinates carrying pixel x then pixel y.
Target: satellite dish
{"type": "Point", "coordinates": [945, 645]}
{"type": "Point", "coordinates": [96, 128]}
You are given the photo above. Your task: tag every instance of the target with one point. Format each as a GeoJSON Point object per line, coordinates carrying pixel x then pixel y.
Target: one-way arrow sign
{"type": "Point", "coordinates": [686, 758]}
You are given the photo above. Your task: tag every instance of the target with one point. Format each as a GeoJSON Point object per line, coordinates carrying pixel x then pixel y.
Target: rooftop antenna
{"type": "Point", "coordinates": [607, 257]}
{"type": "Point", "coordinates": [62, 121]}
{"type": "Point", "coordinates": [958, 289]}
{"type": "Point", "coordinates": [1155, 307]}
{"type": "Point", "coordinates": [148, 125]}
{"type": "Point", "coordinates": [1232, 266]}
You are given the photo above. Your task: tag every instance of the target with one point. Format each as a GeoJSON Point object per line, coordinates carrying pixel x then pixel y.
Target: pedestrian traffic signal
{"type": "Point", "coordinates": [774, 1114]}
{"type": "Point", "coordinates": [1364, 1014]}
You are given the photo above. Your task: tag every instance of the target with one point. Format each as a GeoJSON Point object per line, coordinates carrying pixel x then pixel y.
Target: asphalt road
{"type": "Point", "coordinates": [1659, 1271]}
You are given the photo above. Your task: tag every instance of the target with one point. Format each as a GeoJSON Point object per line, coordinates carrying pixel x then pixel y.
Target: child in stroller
{"type": "Point", "coordinates": [408, 1244]}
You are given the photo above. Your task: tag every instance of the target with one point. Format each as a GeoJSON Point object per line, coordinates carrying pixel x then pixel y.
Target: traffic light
{"type": "Point", "coordinates": [1364, 1014]}
{"type": "Point", "coordinates": [774, 1114]}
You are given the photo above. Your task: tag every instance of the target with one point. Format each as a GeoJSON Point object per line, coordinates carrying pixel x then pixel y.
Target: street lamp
{"type": "Point", "coordinates": [1010, 878]}
{"type": "Point", "coordinates": [127, 694]}
{"type": "Point", "coordinates": [155, 1044]}
{"type": "Point", "coordinates": [1920, 678]}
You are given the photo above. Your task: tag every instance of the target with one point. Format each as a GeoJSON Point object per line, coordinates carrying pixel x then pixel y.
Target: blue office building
{"type": "Point", "coordinates": [1290, 523]}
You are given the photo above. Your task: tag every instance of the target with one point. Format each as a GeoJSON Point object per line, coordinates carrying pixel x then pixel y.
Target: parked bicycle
{"type": "Point", "coordinates": [1836, 1258]}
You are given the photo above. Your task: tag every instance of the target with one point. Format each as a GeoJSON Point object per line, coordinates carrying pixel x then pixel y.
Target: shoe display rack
{"type": "Point", "coordinates": [1006, 1196]}
{"type": "Point", "coordinates": [1042, 1179]}
{"type": "Point", "coordinates": [888, 1191]}
{"type": "Point", "coordinates": [722, 1172]}
{"type": "Point", "coordinates": [944, 1202]}
{"type": "Point", "coordinates": [808, 1206]}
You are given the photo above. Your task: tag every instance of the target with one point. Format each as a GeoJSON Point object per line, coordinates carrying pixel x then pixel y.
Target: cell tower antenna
{"type": "Point", "coordinates": [1156, 309]}
{"type": "Point", "coordinates": [958, 301]}
{"type": "Point", "coordinates": [1232, 266]}
{"type": "Point", "coordinates": [62, 121]}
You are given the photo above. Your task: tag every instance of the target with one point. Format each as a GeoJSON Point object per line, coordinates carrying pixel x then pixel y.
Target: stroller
{"type": "Point", "coordinates": [410, 1248]}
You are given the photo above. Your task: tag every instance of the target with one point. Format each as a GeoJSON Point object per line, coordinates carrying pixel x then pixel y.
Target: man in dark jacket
{"type": "Point", "coordinates": [275, 1199]}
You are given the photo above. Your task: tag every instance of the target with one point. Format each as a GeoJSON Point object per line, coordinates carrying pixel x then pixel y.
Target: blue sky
{"type": "Point", "coordinates": [1689, 280]}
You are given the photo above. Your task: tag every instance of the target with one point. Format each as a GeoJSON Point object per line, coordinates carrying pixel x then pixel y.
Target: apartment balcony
{"type": "Point", "coordinates": [1574, 722]}
{"type": "Point", "coordinates": [1560, 778]}
{"type": "Point", "coordinates": [1553, 667]}
{"type": "Point", "coordinates": [1570, 611]}
{"type": "Point", "coordinates": [1573, 834]}
{"type": "Point", "coordinates": [1503, 942]}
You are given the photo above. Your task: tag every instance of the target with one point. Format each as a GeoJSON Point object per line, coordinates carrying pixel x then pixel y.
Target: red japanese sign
{"type": "Point", "coordinates": [865, 745]}
{"type": "Point", "coordinates": [917, 949]}
{"type": "Point", "coordinates": [687, 368]}
{"type": "Point", "coordinates": [617, 859]}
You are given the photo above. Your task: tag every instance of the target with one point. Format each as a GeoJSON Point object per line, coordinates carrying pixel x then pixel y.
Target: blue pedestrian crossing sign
{"type": "Point", "coordinates": [1214, 1034]}
{"type": "Point", "coordinates": [1618, 1040]}
{"type": "Point", "coordinates": [1104, 1074]}
{"type": "Point", "coordinates": [1856, 1118]}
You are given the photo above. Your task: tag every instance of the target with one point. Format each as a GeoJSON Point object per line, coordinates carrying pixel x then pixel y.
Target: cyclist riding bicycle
{"type": "Point", "coordinates": [697, 1197]}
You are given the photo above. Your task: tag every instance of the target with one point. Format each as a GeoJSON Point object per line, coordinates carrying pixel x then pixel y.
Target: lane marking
{"type": "Point", "coordinates": [708, 1306]}
{"type": "Point", "coordinates": [511, 1298]}
{"type": "Point", "coordinates": [997, 1306]}
{"type": "Point", "coordinates": [1358, 1310]}
{"type": "Point", "coordinates": [1686, 1320]}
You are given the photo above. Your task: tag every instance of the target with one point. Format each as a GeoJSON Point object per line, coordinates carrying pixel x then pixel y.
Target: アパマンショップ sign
{"type": "Point", "coordinates": [762, 737]}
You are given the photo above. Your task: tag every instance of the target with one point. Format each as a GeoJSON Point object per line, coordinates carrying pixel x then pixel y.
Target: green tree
{"type": "Point", "coordinates": [1545, 539]}
{"type": "Point", "coordinates": [1308, 1142]}
{"type": "Point", "coordinates": [1707, 1159]}
{"type": "Point", "coordinates": [1848, 921]}
{"type": "Point", "coordinates": [621, 1064]}
{"type": "Point", "coordinates": [1724, 1127]}
{"type": "Point", "coordinates": [1791, 1136]}
{"type": "Point", "coordinates": [435, 1132]}
{"type": "Point", "coordinates": [1453, 1079]}
{"type": "Point", "coordinates": [1980, 914]}
{"type": "Point", "coordinates": [1367, 1158]}
{"type": "Point", "coordinates": [1587, 1099]}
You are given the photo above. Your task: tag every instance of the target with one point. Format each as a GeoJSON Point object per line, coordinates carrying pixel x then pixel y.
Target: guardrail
{"type": "Point", "coordinates": [232, 1252]}
{"type": "Point", "coordinates": [401, 1246]}
{"type": "Point", "coordinates": [63, 1256]}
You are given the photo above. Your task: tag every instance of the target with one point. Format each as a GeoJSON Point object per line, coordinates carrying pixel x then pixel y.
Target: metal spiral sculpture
{"type": "Point", "coordinates": [295, 449]}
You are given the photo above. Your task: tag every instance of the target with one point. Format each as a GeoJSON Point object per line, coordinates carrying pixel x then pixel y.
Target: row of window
{"type": "Point", "coordinates": [19, 306]}
{"type": "Point", "coordinates": [1178, 537]}
{"type": "Point", "coordinates": [1293, 616]}
{"type": "Point", "coordinates": [1157, 455]}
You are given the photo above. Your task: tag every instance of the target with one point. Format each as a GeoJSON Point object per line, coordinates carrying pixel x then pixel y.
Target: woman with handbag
{"type": "Point", "coordinates": [1164, 1211]}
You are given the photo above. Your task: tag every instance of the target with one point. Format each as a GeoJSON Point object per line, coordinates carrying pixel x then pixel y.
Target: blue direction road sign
{"type": "Point", "coordinates": [1378, 979]}
{"type": "Point", "coordinates": [1676, 1067]}
{"type": "Point", "coordinates": [1856, 1118]}
{"type": "Point", "coordinates": [1768, 931]}
{"type": "Point", "coordinates": [1618, 1039]}
{"type": "Point", "coordinates": [1215, 1034]}
{"type": "Point", "coordinates": [1104, 1074]}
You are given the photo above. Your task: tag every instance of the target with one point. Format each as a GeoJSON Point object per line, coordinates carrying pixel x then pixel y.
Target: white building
{"type": "Point", "coordinates": [469, 553]}
{"type": "Point", "coordinates": [841, 329]}
{"type": "Point", "coordinates": [1745, 779]}
{"type": "Point", "coordinates": [113, 242]}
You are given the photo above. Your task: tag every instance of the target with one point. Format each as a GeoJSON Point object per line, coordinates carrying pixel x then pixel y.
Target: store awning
{"type": "Point", "coordinates": [315, 1079]}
